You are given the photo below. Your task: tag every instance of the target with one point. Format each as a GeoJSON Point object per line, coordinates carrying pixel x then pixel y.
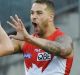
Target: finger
{"type": "Point", "coordinates": [19, 21]}
{"type": "Point", "coordinates": [11, 24]}
{"type": "Point", "coordinates": [13, 36]}
{"type": "Point", "coordinates": [10, 36]}
{"type": "Point", "coordinates": [22, 25]}
{"type": "Point", "coordinates": [13, 20]}
{"type": "Point", "coordinates": [17, 18]}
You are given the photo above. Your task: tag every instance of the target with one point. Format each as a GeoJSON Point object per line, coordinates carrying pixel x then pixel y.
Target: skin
{"type": "Point", "coordinates": [45, 27]}
{"type": "Point", "coordinates": [43, 18]}
{"type": "Point", "coordinates": [4, 47]}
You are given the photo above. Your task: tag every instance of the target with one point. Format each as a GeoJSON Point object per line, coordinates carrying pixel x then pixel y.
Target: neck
{"type": "Point", "coordinates": [50, 29]}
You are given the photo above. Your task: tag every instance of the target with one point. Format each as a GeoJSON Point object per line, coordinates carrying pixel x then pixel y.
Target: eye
{"type": "Point", "coordinates": [39, 12]}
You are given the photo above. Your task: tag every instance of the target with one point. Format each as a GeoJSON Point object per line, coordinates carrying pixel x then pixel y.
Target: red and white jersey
{"type": "Point", "coordinates": [39, 62]}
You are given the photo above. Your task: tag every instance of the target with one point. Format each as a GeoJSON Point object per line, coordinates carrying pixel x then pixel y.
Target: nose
{"type": "Point", "coordinates": [34, 16]}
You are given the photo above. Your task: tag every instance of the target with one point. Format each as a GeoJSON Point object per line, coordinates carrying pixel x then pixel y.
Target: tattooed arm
{"type": "Point", "coordinates": [61, 47]}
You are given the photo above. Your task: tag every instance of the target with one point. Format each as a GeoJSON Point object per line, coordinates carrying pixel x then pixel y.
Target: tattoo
{"type": "Point", "coordinates": [61, 47]}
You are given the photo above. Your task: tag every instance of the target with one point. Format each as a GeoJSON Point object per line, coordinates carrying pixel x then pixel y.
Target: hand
{"type": "Point", "coordinates": [17, 24]}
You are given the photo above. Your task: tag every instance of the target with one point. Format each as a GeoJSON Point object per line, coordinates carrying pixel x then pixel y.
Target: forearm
{"type": "Point", "coordinates": [54, 47]}
{"type": "Point", "coordinates": [3, 37]}
{"type": "Point", "coordinates": [43, 43]}
{"type": "Point", "coordinates": [5, 43]}
{"type": "Point", "coordinates": [5, 52]}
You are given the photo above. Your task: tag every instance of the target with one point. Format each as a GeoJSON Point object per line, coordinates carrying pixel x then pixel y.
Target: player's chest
{"type": "Point", "coordinates": [37, 54]}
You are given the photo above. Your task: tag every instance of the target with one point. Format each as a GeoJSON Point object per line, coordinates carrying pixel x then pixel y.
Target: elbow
{"type": "Point", "coordinates": [66, 53]}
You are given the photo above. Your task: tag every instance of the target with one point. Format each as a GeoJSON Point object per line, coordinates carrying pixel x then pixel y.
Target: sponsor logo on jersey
{"type": "Point", "coordinates": [27, 55]}
{"type": "Point", "coordinates": [37, 50]}
{"type": "Point", "coordinates": [44, 56]}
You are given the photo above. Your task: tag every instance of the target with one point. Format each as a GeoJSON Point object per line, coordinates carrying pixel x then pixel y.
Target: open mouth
{"type": "Point", "coordinates": [35, 24]}
{"type": "Point", "coordinates": [36, 27]}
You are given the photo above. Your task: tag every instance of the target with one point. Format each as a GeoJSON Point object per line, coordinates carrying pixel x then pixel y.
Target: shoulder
{"type": "Point", "coordinates": [64, 37]}
{"type": "Point", "coordinates": [66, 44]}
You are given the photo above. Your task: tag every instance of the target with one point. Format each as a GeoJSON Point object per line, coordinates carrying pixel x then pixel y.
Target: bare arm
{"type": "Point", "coordinates": [5, 43]}
{"type": "Point", "coordinates": [7, 46]}
{"type": "Point", "coordinates": [61, 47]}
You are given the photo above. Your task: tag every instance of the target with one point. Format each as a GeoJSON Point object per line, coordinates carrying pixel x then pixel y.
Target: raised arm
{"type": "Point", "coordinates": [63, 46]}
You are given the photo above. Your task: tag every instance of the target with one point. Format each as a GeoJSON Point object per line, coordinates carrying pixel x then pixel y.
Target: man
{"type": "Point", "coordinates": [48, 51]}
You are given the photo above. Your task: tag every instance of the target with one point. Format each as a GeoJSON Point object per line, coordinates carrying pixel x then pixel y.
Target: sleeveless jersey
{"type": "Point", "coordinates": [40, 62]}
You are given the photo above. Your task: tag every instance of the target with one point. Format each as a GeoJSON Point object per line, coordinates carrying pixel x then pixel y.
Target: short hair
{"type": "Point", "coordinates": [49, 3]}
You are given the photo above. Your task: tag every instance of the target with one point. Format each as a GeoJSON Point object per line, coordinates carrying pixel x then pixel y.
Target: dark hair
{"type": "Point", "coordinates": [49, 3]}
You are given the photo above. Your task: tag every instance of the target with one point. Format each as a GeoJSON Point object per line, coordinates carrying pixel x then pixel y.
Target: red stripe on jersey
{"type": "Point", "coordinates": [68, 65]}
{"type": "Point", "coordinates": [55, 35]}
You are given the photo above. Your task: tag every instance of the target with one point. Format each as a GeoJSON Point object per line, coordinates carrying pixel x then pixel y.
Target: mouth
{"type": "Point", "coordinates": [36, 27]}
{"type": "Point", "coordinates": [34, 24]}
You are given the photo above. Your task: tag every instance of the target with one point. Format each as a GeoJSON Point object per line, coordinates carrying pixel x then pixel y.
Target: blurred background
{"type": "Point", "coordinates": [67, 17]}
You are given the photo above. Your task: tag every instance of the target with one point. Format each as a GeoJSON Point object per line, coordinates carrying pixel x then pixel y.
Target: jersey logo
{"type": "Point", "coordinates": [43, 56]}
{"type": "Point", "coordinates": [37, 50]}
{"type": "Point", "coordinates": [27, 55]}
